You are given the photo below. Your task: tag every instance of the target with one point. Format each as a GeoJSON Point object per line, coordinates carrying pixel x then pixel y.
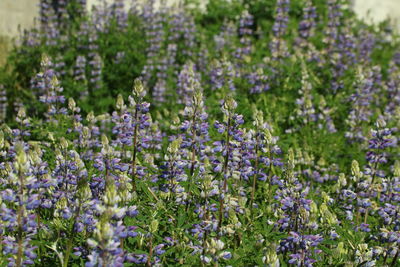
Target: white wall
{"type": "Point", "coordinates": [15, 13]}
{"type": "Point", "coordinates": [379, 10]}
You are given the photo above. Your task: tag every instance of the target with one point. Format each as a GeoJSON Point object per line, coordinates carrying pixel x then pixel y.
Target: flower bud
{"type": "Point", "coordinates": [197, 98]}
{"type": "Point", "coordinates": [380, 123]}
{"type": "Point", "coordinates": [45, 62]}
{"type": "Point", "coordinates": [54, 82]}
{"type": "Point", "coordinates": [71, 104]}
{"type": "Point", "coordinates": [342, 180]}
{"type": "Point", "coordinates": [340, 251]}
{"type": "Point", "coordinates": [271, 257]}
{"type": "Point", "coordinates": [397, 169]}
{"type": "Point", "coordinates": [85, 193]}
{"type": "Point", "coordinates": [86, 132]}
{"type": "Point", "coordinates": [90, 117]}
{"type": "Point", "coordinates": [291, 162]}
{"type": "Point", "coordinates": [230, 104]}
{"type": "Point", "coordinates": [22, 158]}
{"type": "Point", "coordinates": [106, 232]}
{"type": "Point", "coordinates": [138, 89]}
{"type": "Point", "coordinates": [217, 244]}
{"type": "Point", "coordinates": [111, 196]}
{"type": "Point", "coordinates": [258, 118]}
{"type": "Point", "coordinates": [173, 148]}
{"type": "Point", "coordinates": [21, 113]}
{"type": "Point", "coordinates": [154, 226]}
{"type": "Point", "coordinates": [355, 169]}
{"type": "Point", "coordinates": [63, 143]}
{"type": "Point", "coordinates": [104, 140]}
{"type": "Point", "coordinates": [1, 139]}
{"type": "Point", "coordinates": [120, 102]}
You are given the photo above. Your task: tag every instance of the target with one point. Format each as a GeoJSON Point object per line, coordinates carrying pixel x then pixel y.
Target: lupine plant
{"type": "Point", "coordinates": [244, 133]}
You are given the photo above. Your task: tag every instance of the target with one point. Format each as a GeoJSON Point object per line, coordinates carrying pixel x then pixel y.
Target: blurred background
{"type": "Point", "coordinates": [16, 15]}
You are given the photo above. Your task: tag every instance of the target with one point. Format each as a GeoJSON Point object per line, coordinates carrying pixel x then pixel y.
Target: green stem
{"type": "Point", "coordinates": [221, 200]}
{"type": "Point", "coordinates": [148, 263]}
{"type": "Point", "coordinates": [19, 221]}
{"type": "Point", "coordinates": [255, 176]}
{"type": "Point", "coordinates": [134, 151]}
{"type": "Point", "coordinates": [395, 258]}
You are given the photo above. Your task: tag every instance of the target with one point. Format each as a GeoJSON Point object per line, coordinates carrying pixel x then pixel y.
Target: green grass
{"type": "Point", "coordinates": [4, 49]}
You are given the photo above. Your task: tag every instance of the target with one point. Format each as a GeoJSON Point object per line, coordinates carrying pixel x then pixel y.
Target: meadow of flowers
{"type": "Point", "coordinates": [251, 133]}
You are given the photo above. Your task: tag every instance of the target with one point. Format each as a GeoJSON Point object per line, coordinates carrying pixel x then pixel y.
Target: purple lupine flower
{"type": "Point", "coordinates": [18, 214]}
{"type": "Point", "coordinates": [361, 100]}
{"type": "Point", "coordinates": [49, 89]}
{"type": "Point", "coordinates": [41, 83]}
{"type": "Point", "coordinates": [245, 33]}
{"type": "Point", "coordinates": [101, 17]}
{"type": "Point", "coordinates": [30, 38]}
{"type": "Point", "coordinates": [305, 111]}
{"type": "Point", "coordinates": [278, 45]}
{"type": "Point", "coordinates": [222, 75]}
{"type": "Point", "coordinates": [188, 83]}
{"type": "Point", "coordinates": [182, 27]}
{"type": "Point", "coordinates": [95, 74]}
{"type": "Point", "coordinates": [380, 141]}
{"type": "Point", "coordinates": [62, 13]}
{"type": "Point", "coordinates": [258, 81]}
{"type": "Point", "coordinates": [266, 152]}
{"type": "Point", "coordinates": [307, 25]}
{"type": "Point", "coordinates": [3, 103]}
{"type": "Point", "coordinates": [301, 247]}
{"type": "Point", "coordinates": [324, 116]}
{"type": "Point", "coordinates": [332, 30]}
{"type": "Point", "coordinates": [391, 87]}
{"type": "Point", "coordinates": [50, 29]}
{"type": "Point", "coordinates": [121, 16]}
{"type": "Point", "coordinates": [80, 75]}
{"type": "Point", "coordinates": [224, 39]}
{"type": "Point", "coordinates": [79, 69]}
{"type": "Point", "coordinates": [154, 37]}
{"type": "Point", "coordinates": [59, 66]}
{"type": "Point", "coordinates": [228, 151]}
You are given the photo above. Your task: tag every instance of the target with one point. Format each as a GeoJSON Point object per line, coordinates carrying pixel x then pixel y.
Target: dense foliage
{"type": "Point", "coordinates": [251, 133]}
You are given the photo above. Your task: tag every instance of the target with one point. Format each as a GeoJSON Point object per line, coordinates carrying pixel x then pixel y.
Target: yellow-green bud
{"type": "Point", "coordinates": [154, 226]}
{"type": "Point", "coordinates": [342, 180]}
{"type": "Point", "coordinates": [268, 136]}
{"type": "Point", "coordinates": [45, 62]}
{"type": "Point", "coordinates": [22, 158]}
{"type": "Point", "coordinates": [90, 117]}
{"type": "Point", "coordinates": [138, 88]}
{"type": "Point", "coordinates": [86, 132]}
{"type": "Point", "coordinates": [1, 139]}
{"type": "Point", "coordinates": [62, 203]}
{"type": "Point", "coordinates": [381, 123]}
{"type": "Point", "coordinates": [105, 231]}
{"type": "Point", "coordinates": [340, 251]}
{"type": "Point", "coordinates": [313, 208]}
{"type": "Point", "coordinates": [54, 82]}
{"type": "Point", "coordinates": [197, 98]}
{"type": "Point", "coordinates": [291, 162]}
{"type": "Point", "coordinates": [63, 143]}
{"type": "Point", "coordinates": [397, 169]}
{"type": "Point", "coordinates": [355, 169]}
{"type": "Point", "coordinates": [71, 104]}
{"type": "Point", "coordinates": [21, 113]}
{"type": "Point", "coordinates": [120, 102]}
{"type": "Point", "coordinates": [271, 256]}
{"type": "Point", "coordinates": [230, 104]}
{"type": "Point", "coordinates": [174, 146]}
{"type": "Point", "coordinates": [111, 196]}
